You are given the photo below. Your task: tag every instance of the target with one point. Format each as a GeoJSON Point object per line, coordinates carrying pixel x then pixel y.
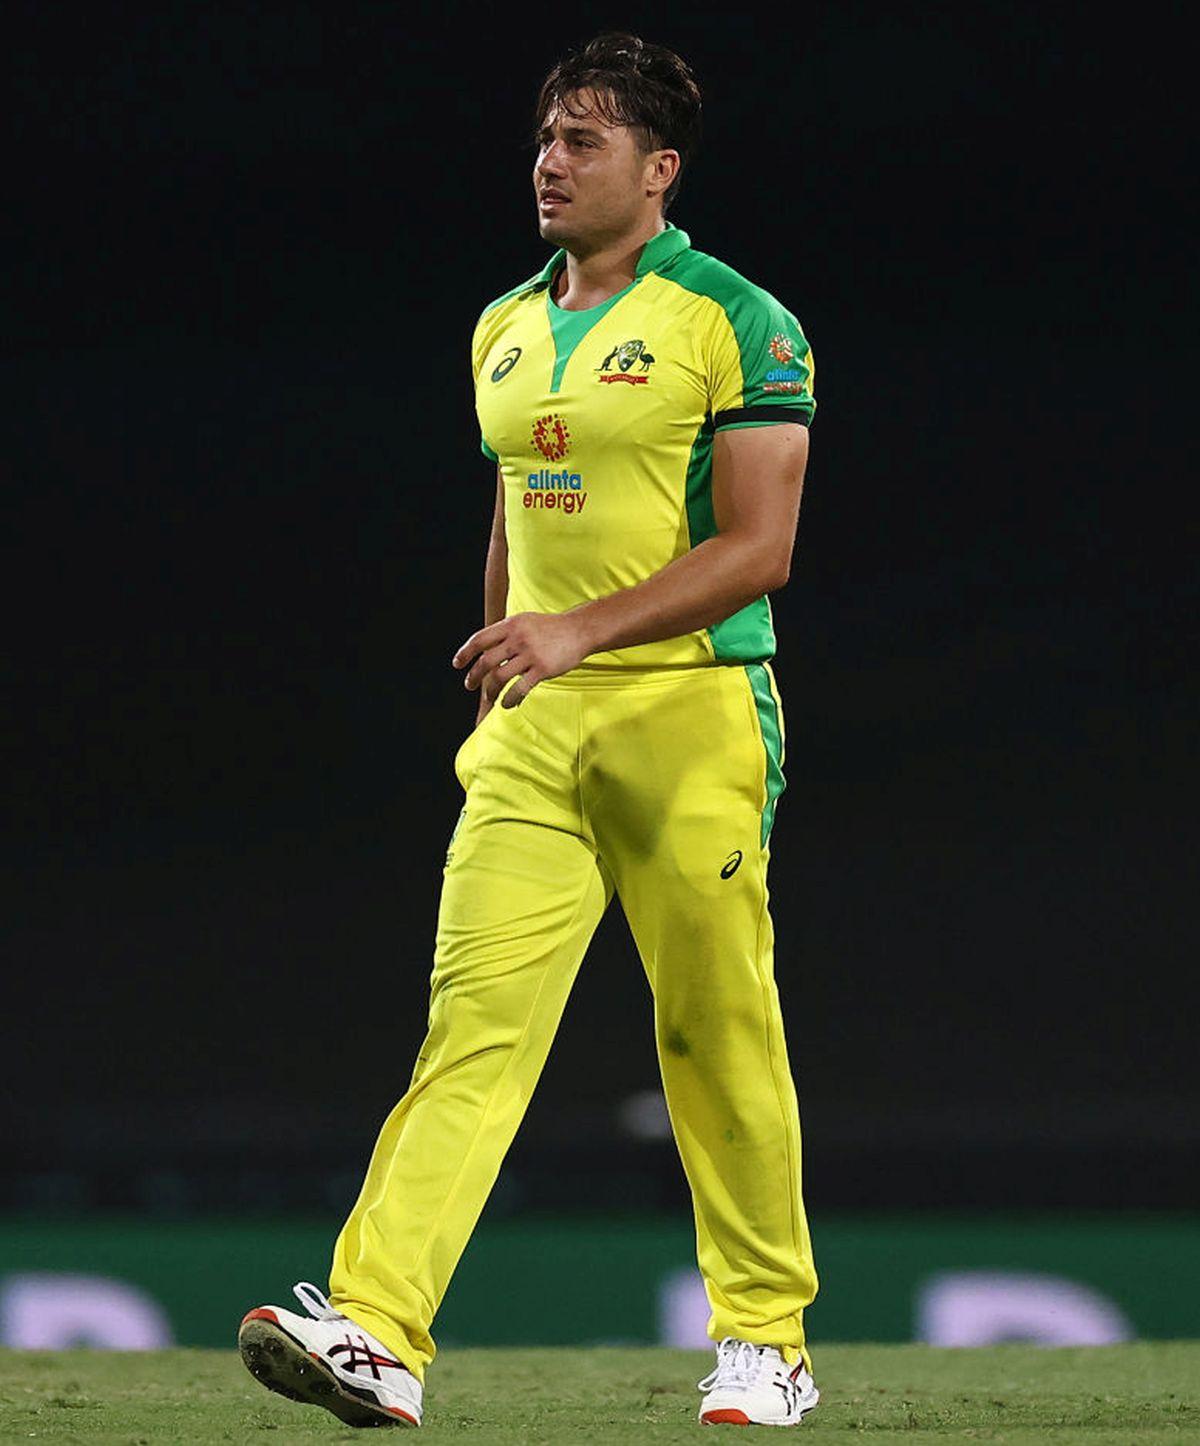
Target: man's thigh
{"type": "Point", "coordinates": [523, 888]}
{"type": "Point", "coordinates": [679, 782]}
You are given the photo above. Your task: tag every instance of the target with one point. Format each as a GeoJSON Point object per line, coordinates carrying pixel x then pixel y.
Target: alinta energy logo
{"type": "Point", "coordinates": [626, 354]}
{"type": "Point", "coordinates": [783, 378]}
{"type": "Point", "coordinates": [554, 491]}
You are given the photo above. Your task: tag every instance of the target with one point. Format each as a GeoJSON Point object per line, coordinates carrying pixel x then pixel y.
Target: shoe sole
{"type": "Point", "coordinates": [731, 1416]}
{"type": "Point", "coordinates": [282, 1364]}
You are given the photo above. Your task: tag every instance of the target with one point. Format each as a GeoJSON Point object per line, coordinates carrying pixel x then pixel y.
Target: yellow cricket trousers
{"type": "Point", "coordinates": [660, 783]}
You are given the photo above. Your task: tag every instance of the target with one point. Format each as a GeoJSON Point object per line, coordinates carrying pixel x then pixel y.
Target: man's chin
{"type": "Point", "coordinates": [555, 229]}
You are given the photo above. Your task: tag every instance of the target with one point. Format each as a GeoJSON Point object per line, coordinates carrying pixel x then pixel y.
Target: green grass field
{"type": "Point", "coordinates": [1012, 1394]}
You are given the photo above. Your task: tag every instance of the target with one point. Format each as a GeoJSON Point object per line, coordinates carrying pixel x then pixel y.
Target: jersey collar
{"type": "Point", "coordinates": [657, 254]}
{"type": "Point", "coordinates": [662, 249]}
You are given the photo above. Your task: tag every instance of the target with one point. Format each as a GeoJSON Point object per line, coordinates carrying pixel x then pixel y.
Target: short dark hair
{"type": "Point", "coordinates": [643, 86]}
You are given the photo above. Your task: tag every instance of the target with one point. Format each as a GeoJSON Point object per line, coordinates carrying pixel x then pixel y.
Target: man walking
{"type": "Point", "coordinates": [647, 410]}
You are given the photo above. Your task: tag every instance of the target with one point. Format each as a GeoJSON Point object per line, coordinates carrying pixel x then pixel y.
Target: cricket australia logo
{"type": "Point", "coordinates": [627, 355]}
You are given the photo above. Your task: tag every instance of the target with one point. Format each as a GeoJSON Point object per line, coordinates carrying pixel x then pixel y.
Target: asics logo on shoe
{"type": "Point", "coordinates": [791, 1392]}
{"type": "Point", "coordinates": [328, 1360]}
{"type": "Point", "coordinates": [359, 1353]}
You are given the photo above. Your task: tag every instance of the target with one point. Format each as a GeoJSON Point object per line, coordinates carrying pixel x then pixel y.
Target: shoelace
{"type": "Point", "coordinates": [314, 1302]}
{"type": "Point", "coordinates": [739, 1363]}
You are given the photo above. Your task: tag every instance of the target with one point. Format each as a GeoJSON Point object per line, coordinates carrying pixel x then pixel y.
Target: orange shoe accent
{"type": "Point", "coordinates": [727, 1417]}
{"type": "Point", "coordinates": [404, 1416]}
{"type": "Point", "coordinates": [263, 1312]}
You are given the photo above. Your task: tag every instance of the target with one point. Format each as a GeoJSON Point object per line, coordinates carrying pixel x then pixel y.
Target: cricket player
{"type": "Point", "coordinates": [647, 411]}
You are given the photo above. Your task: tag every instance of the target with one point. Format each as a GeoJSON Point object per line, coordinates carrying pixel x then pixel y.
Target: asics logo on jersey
{"type": "Point", "coordinates": [732, 864]}
{"type": "Point", "coordinates": [360, 1354]}
{"type": "Point", "coordinates": [626, 354]}
{"type": "Point", "coordinates": [506, 363]}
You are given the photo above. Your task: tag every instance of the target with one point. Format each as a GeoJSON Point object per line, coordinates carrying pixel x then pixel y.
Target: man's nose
{"type": "Point", "coordinates": [551, 162]}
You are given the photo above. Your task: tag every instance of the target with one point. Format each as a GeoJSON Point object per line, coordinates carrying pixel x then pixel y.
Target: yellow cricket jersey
{"type": "Point", "coordinates": [602, 422]}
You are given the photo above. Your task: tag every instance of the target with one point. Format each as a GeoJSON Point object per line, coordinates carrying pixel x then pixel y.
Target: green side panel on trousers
{"type": "Point", "coordinates": [768, 721]}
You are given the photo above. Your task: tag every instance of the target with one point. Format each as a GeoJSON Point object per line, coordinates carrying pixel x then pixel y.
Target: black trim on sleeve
{"type": "Point", "coordinates": [759, 414]}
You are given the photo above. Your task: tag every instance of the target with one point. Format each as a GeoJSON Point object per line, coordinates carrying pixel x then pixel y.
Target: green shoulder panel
{"type": "Point", "coordinates": [487, 319]}
{"type": "Point", "coordinates": [490, 319]}
{"type": "Point", "coordinates": [530, 286]}
{"type": "Point", "coordinates": [776, 359]}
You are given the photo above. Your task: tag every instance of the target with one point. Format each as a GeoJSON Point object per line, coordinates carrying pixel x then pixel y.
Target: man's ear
{"type": "Point", "coordinates": [661, 169]}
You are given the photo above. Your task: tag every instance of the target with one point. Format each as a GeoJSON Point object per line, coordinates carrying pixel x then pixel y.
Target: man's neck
{"type": "Point", "coordinates": [590, 279]}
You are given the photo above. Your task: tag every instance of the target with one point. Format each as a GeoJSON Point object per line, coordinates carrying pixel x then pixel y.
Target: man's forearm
{"type": "Point", "coordinates": [495, 598]}
{"type": "Point", "coordinates": [495, 580]}
{"type": "Point", "coordinates": [701, 588]}
{"type": "Point", "coordinates": [758, 476]}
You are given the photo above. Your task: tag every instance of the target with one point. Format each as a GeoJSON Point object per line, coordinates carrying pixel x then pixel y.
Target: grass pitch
{"type": "Point", "coordinates": [1020, 1395]}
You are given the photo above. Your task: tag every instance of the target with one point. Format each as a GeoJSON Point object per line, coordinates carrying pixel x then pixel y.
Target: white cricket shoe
{"type": "Point", "coordinates": [325, 1359]}
{"type": "Point", "coordinates": [754, 1386]}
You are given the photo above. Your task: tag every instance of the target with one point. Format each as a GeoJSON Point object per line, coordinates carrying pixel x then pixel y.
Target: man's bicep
{"type": "Point", "coordinates": [758, 478]}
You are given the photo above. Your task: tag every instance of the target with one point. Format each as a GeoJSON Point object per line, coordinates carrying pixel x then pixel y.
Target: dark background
{"type": "Point", "coordinates": [247, 529]}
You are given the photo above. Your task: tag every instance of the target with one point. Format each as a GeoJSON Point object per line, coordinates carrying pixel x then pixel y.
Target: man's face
{"type": "Point", "coordinates": [589, 177]}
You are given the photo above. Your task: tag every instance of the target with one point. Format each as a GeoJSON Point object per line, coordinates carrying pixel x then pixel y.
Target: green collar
{"type": "Point", "coordinates": [657, 253]}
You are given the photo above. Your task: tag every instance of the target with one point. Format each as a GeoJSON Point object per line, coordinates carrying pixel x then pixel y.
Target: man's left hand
{"type": "Point", "coordinates": [529, 647]}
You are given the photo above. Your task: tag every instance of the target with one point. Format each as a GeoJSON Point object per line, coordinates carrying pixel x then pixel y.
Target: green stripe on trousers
{"type": "Point", "coordinates": [770, 723]}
